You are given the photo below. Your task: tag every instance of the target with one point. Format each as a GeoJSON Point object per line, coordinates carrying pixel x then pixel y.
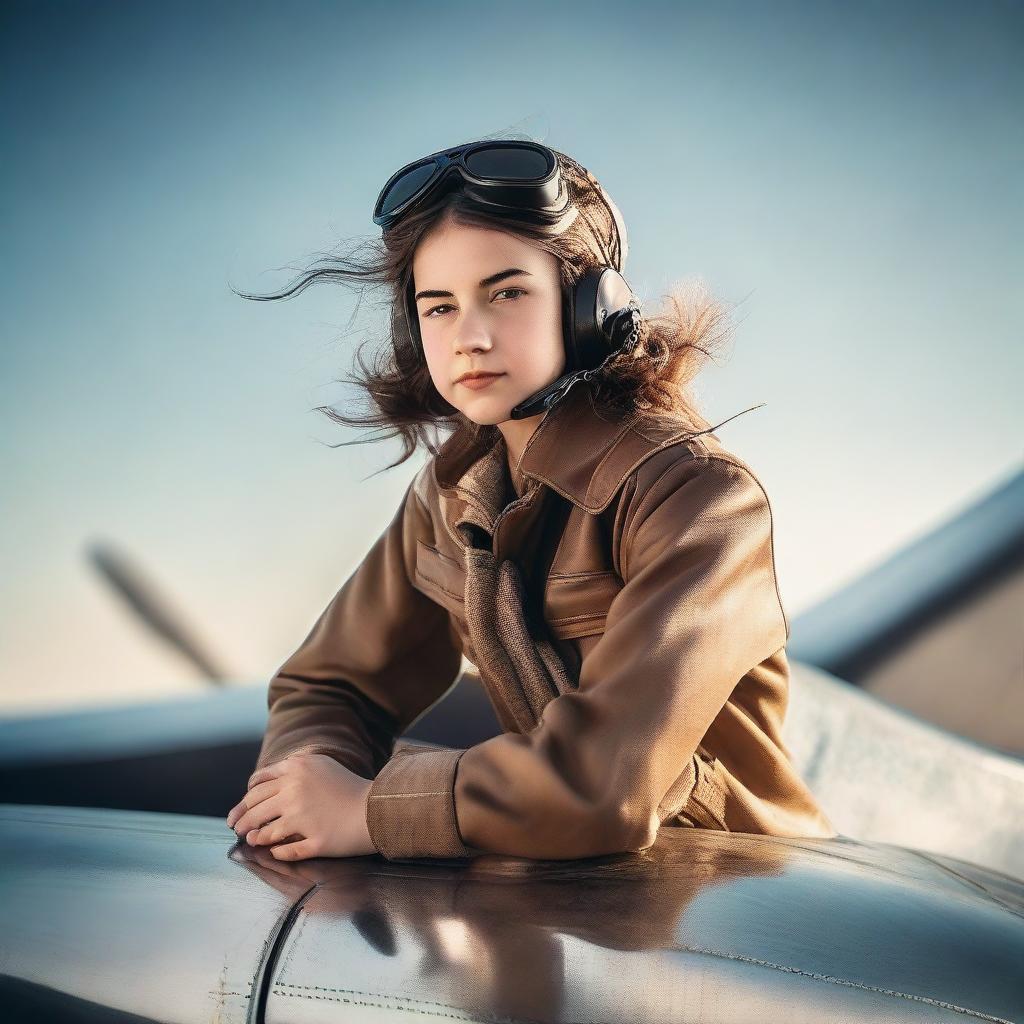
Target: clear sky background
{"type": "Point", "coordinates": [850, 175]}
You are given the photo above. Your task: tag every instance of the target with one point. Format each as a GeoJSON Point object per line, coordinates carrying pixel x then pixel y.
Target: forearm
{"type": "Point", "coordinates": [333, 719]}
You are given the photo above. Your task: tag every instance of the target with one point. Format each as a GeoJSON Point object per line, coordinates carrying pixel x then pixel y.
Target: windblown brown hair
{"type": "Point", "coordinates": [675, 342]}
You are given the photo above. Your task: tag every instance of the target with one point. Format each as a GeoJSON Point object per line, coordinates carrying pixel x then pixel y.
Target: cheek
{"type": "Point", "coordinates": [556, 344]}
{"type": "Point", "coordinates": [438, 365]}
{"type": "Point", "coordinates": [535, 365]}
{"type": "Point", "coordinates": [544, 354]}
{"type": "Point", "coordinates": [551, 354]}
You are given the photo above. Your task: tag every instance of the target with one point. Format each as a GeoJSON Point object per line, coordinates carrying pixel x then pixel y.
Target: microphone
{"type": "Point", "coordinates": [621, 330]}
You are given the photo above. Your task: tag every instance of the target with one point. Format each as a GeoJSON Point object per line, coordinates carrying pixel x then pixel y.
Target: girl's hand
{"type": "Point", "coordinates": [310, 800]}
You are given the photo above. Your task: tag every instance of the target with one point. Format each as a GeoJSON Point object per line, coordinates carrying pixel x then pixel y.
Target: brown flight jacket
{"type": "Point", "coordinates": [617, 595]}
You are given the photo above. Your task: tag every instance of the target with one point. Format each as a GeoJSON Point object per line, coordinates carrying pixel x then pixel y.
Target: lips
{"type": "Point", "coordinates": [478, 382]}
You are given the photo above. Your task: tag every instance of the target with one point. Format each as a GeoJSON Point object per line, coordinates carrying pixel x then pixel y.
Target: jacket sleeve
{"type": "Point", "coordinates": [379, 654]}
{"type": "Point", "coordinates": [699, 608]}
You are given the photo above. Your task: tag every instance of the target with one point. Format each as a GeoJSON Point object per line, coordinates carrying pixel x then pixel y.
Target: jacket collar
{"type": "Point", "coordinates": [582, 454]}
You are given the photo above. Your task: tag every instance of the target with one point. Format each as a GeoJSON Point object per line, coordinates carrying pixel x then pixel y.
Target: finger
{"type": "Point", "coordinates": [294, 851]}
{"type": "Point", "coordinates": [276, 831]}
{"type": "Point", "coordinates": [235, 813]}
{"type": "Point", "coordinates": [250, 800]}
{"type": "Point", "coordinates": [258, 816]}
{"type": "Point", "coordinates": [271, 771]}
{"type": "Point", "coordinates": [263, 791]}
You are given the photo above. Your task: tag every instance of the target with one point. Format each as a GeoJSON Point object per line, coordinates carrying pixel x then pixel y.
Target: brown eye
{"type": "Point", "coordinates": [505, 291]}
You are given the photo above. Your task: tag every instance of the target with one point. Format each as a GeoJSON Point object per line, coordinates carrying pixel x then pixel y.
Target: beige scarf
{"type": "Point", "coordinates": [522, 672]}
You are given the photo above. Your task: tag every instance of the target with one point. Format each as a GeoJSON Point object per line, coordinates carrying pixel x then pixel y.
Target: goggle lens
{"type": "Point", "coordinates": [407, 185]}
{"type": "Point", "coordinates": [508, 163]}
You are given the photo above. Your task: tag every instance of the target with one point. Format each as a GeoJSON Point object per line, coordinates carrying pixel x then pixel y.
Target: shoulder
{"type": "Point", "coordinates": [683, 462]}
{"type": "Point", "coordinates": [695, 483]}
{"type": "Point", "coordinates": [697, 503]}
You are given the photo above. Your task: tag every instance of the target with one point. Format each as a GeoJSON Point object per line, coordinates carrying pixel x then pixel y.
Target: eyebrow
{"type": "Point", "coordinates": [485, 283]}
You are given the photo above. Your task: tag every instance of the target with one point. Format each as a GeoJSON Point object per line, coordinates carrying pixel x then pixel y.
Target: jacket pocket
{"type": "Point", "coordinates": [576, 604]}
{"type": "Point", "coordinates": [441, 577]}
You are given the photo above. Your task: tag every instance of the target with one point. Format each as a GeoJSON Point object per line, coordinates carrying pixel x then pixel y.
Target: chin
{"type": "Point", "coordinates": [487, 418]}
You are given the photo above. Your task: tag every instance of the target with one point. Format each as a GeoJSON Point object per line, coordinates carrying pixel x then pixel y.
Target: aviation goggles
{"type": "Point", "coordinates": [520, 175]}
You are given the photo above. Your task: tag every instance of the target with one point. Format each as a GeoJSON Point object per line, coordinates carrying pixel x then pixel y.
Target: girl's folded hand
{"type": "Point", "coordinates": [306, 805]}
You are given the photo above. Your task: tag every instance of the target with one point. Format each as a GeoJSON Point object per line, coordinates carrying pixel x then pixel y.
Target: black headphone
{"type": "Point", "coordinates": [600, 318]}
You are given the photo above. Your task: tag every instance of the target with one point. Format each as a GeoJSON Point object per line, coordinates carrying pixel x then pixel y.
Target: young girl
{"type": "Point", "coordinates": [581, 536]}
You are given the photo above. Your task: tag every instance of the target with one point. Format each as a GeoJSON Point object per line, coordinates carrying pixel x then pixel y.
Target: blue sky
{"type": "Point", "coordinates": [849, 175]}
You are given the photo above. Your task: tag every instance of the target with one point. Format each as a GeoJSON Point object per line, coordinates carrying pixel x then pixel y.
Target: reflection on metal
{"type": "Point", "coordinates": [143, 914]}
{"type": "Point", "coordinates": [170, 918]}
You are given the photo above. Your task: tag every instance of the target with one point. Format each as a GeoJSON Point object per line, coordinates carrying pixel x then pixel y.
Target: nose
{"type": "Point", "coordinates": [472, 337]}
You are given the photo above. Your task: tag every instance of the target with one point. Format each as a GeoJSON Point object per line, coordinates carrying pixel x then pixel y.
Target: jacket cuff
{"type": "Point", "coordinates": [410, 808]}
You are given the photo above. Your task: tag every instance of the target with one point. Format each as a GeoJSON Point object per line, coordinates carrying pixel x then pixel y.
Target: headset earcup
{"type": "Point", "coordinates": [580, 324]}
{"type": "Point", "coordinates": [599, 294]}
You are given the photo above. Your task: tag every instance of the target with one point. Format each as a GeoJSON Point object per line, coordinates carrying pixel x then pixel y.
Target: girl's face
{"type": "Point", "coordinates": [487, 300]}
